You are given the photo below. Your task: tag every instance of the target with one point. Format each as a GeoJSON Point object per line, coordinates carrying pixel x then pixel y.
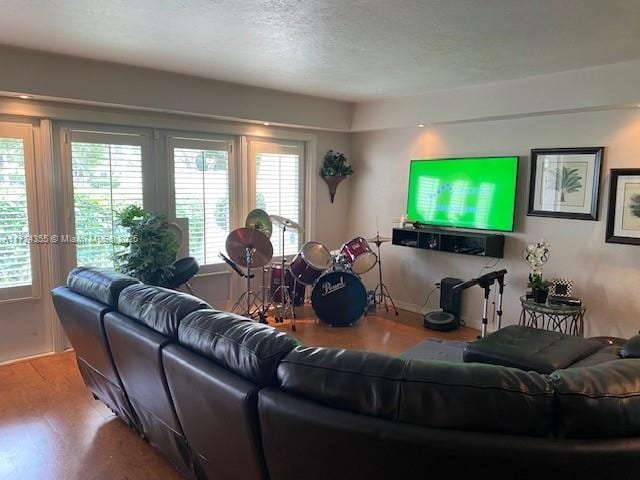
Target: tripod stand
{"type": "Point", "coordinates": [286, 307]}
{"type": "Point", "coordinates": [248, 248]}
{"type": "Point", "coordinates": [254, 305]}
{"type": "Point", "coordinates": [381, 292]}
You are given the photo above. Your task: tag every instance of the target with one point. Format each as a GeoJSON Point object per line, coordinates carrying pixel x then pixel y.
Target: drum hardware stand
{"type": "Point", "coordinates": [286, 309]}
{"type": "Point", "coordinates": [381, 292]}
{"type": "Point", "coordinates": [254, 307]}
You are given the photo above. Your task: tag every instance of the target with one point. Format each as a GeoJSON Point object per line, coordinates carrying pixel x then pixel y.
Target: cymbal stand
{"type": "Point", "coordinates": [286, 307]}
{"type": "Point", "coordinates": [249, 298]}
{"type": "Point", "coordinates": [381, 292]}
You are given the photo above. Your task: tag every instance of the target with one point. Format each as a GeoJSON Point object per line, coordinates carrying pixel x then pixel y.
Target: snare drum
{"type": "Point", "coordinates": [358, 255]}
{"type": "Point", "coordinates": [276, 281]}
{"type": "Point", "coordinates": [310, 262]}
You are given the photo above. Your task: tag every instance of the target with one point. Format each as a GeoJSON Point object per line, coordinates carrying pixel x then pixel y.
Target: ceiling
{"type": "Point", "coordinates": [349, 50]}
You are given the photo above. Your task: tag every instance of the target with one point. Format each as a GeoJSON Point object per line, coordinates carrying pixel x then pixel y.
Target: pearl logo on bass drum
{"type": "Point", "coordinates": [328, 287]}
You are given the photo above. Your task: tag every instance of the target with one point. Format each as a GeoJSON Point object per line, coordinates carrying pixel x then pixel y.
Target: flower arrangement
{"type": "Point", "coordinates": [536, 255]}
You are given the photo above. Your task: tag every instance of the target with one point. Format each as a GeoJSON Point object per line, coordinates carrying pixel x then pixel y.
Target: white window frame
{"type": "Point", "coordinates": [204, 142]}
{"type": "Point", "coordinates": [274, 145]}
{"type": "Point", "coordinates": [32, 291]}
{"type": "Point", "coordinates": [100, 134]}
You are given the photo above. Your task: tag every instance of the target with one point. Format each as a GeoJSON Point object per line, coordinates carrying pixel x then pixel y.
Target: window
{"type": "Point", "coordinates": [277, 171]}
{"type": "Point", "coordinates": [15, 249]}
{"type": "Point", "coordinates": [107, 177]}
{"type": "Point", "coordinates": [201, 195]}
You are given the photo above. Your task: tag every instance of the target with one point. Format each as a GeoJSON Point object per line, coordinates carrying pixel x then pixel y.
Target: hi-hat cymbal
{"type": "Point", "coordinates": [259, 219]}
{"type": "Point", "coordinates": [241, 239]}
{"type": "Point", "coordinates": [378, 239]}
{"type": "Point", "coordinates": [285, 221]}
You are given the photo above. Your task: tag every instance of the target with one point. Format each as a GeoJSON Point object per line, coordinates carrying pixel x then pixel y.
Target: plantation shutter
{"type": "Point", "coordinates": [15, 248]}
{"type": "Point", "coordinates": [107, 177]}
{"type": "Point", "coordinates": [277, 169]}
{"type": "Point", "coordinates": [201, 195]}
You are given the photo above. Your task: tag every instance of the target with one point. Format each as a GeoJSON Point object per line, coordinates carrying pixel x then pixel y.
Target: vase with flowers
{"type": "Point", "coordinates": [536, 255]}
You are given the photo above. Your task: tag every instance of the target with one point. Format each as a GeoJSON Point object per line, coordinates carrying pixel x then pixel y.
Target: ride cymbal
{"type": "Point", "coordinates": [285, 221]}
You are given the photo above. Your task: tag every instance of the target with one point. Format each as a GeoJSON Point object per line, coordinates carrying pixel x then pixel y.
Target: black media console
{"type": "Point", "coordinates": [468, 243]}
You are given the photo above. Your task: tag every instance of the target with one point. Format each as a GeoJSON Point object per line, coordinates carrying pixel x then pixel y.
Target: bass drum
{"type": "Point", "coordinates": [339, 298]}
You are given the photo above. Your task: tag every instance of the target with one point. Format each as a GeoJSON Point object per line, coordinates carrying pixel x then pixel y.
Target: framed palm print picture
{"type": "Point", "coordinates": [623, 219]}
{"type": "Point", "coordinates": [565, 182]}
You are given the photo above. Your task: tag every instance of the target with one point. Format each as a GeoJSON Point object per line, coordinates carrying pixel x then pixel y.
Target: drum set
{"type": "Point", "coordinates": [338, 295]}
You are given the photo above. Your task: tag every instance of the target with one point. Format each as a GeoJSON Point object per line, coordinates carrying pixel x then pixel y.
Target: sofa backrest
{"type": "Point", "coordinates": [223, 360]}
{"type": "Point", "coordinates": [426, 393]}
{"type": "Point", "coordinates": [158, 308]}
{"type": "Point", "coordinates": [81, 307]}
{"type": "Point", "coordinates": [147, 320]}
{"type": "Point", "coordinates": [242, 346]}
{"type": "Point", "coordinates": [99, 284]}
{"type": "Point", "coordinates": [598, 401]}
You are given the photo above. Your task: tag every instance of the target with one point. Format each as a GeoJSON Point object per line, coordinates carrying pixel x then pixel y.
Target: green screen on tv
{"type": "Point", "coordinates": [475, 192]}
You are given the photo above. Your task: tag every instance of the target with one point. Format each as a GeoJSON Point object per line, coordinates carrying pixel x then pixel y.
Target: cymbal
{"type": "Point", "coordinates": [378, 239]}
{"type": "Point", "coordinates": [242, 238]}
{"type": "Point", "coordinates": [285, 221]}
{"type": "Point", "coordinates": [259, 219]}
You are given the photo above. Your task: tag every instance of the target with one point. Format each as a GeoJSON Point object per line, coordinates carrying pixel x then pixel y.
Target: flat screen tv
{"type": "Point", "coordinates": [475, 192]}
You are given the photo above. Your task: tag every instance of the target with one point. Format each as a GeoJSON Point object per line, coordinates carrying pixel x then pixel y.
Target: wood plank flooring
{"type": "Point", "coordinates": [51, 428]}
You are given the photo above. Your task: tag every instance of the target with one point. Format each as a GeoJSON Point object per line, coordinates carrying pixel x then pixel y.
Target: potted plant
{"type": "Point", "coordinates": [540, 288]}
{"type": "Point", "coordinates": [334, 170]}
{"type": "Point", "coordinates": [151, 249]}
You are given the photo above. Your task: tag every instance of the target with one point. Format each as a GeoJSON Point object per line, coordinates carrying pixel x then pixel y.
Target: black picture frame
{"type": "Point", "coordinates": [616, 173]}
{"type": "Point", "coordinates": [597, 152]}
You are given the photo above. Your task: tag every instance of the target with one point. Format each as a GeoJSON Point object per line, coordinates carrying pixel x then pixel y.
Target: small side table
{"type": "Point", "coordinates": [551, 316]}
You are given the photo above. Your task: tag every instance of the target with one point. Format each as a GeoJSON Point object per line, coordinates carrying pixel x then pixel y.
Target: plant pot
{"type": "Point", "coordinates": [540, 295]}
{"type": "Point", "coordinates": [332, 183]}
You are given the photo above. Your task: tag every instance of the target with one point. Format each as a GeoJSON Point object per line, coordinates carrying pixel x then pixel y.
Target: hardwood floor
{"type": "Point", "coordinates": [377, 332]}
{"type": "Point", "coordinates": [52, 428]}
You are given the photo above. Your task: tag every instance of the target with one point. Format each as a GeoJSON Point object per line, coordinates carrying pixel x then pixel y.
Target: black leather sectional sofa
{"type": "Point", "coordinates": [223, 397]}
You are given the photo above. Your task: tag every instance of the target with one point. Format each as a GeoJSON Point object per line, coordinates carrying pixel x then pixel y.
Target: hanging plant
{"type": "Point", "coordinates": [334, 170]}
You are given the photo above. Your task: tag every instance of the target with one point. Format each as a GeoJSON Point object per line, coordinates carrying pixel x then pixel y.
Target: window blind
{"type": "Point", "coordinates": [201, 178]}
{"type": "Point", "coordinates": [15, 256]}
{"type": "Point", "coordinates": [107, 177]}
{"type": "Point", "coordinates": [278, 193]}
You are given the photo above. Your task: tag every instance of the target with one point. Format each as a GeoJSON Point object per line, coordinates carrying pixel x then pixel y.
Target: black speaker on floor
{"type": "Point", "coordinates": [451, 303]}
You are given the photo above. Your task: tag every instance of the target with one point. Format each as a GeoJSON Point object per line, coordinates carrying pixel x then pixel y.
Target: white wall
{"type": "Point", "coordinates": [60, 77]}
{"type": "Point", "coordinates": [606, 275]}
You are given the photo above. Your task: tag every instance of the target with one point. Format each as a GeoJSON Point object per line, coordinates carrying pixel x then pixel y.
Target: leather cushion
{"type": "Point", "coordinates": [529, 348]}
{"type": "Point", "coordinates": [99, 284]}
{"type": "Point", "coordinates": [605, 354]}
{"type": "Point", "coordinates": [631, 348]}
{"type": "Point", "coordinates": [476, 397]}
{"type": "Point", "coordinates": [598, 401]}
{"type": "Point", "coordinates": [158, 308]}
{"type": "Point", "coordinates": [249, 349]}
{"type": "Point", "coordinates": [358, 381]}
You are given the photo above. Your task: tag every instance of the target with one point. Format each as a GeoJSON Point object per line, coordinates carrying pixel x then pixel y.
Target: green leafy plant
{"type": "Point", "coordinates": [538, 283]}
{"type": "Point", "coordinates": [335, 165]}
{"type": "Point", "coordinates": [635, 205]}
{"type": "Point", "coordinates": [565, 180]}
{"type": "Point", "coordinates": [151, 249]}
